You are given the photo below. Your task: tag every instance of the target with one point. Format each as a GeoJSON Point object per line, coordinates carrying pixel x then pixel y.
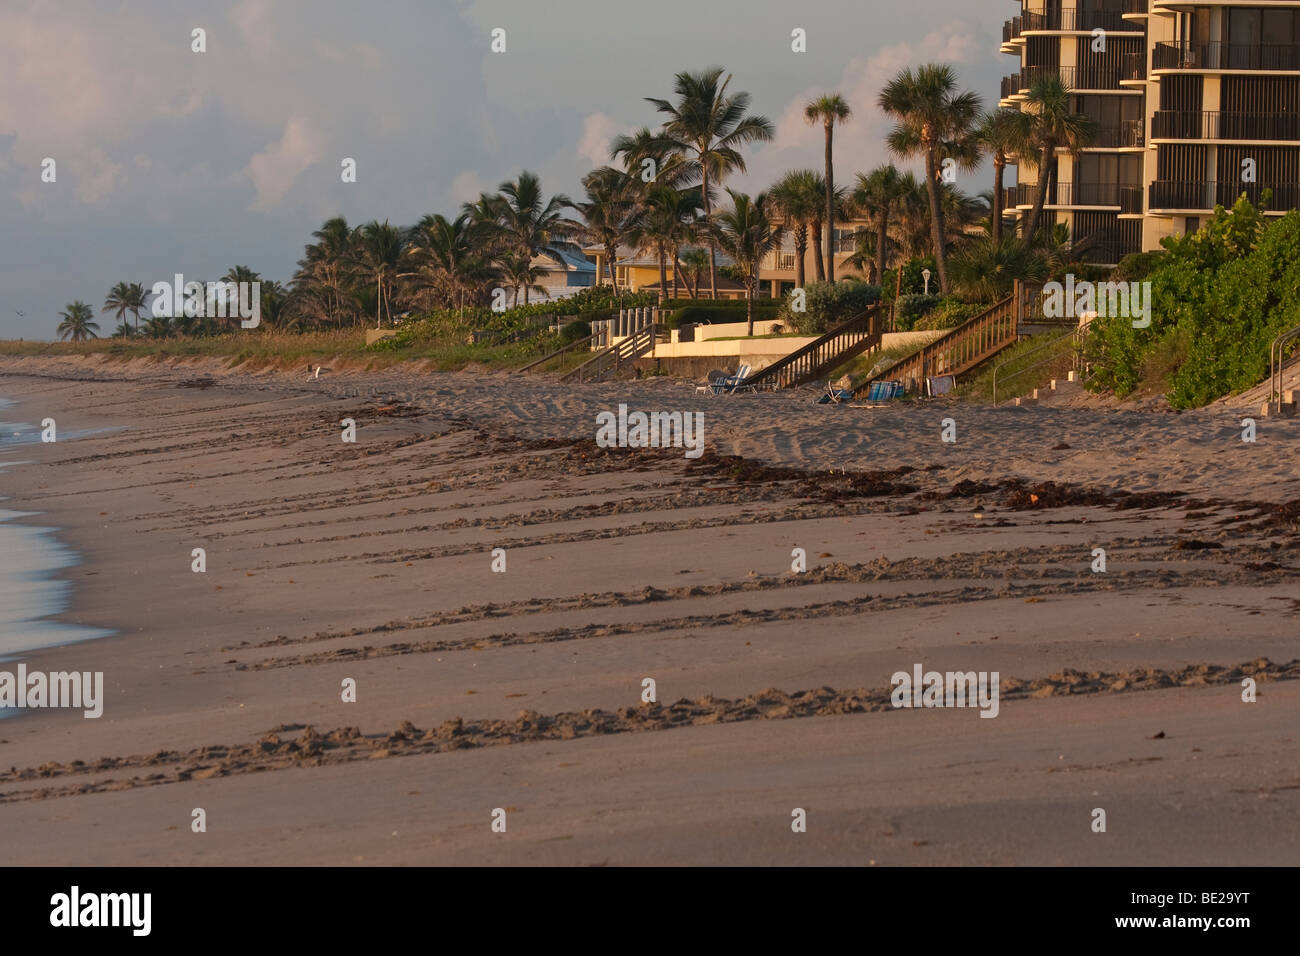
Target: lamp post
{"type": "Point", "coordinates": [925, 274]}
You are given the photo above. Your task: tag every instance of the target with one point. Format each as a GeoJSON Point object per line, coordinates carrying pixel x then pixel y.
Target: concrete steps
{"type": "Point", "coordinates": [1287, 408]}
{"type": "Point", "coordinates": [1058, 393]}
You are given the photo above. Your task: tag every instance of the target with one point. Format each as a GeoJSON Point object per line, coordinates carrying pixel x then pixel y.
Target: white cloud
{"type": "Point", "coordinates": [599, 130]}
{"type": "Point", "coordinates": [275, 169]}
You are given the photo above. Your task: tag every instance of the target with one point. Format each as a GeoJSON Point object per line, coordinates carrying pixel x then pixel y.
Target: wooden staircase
{"type": "Point", "coordinates": [616, 356]}
{"type": "Point", "coordinates": [969, 345]}
{"type": "Point", "coordinates": [841, 344]}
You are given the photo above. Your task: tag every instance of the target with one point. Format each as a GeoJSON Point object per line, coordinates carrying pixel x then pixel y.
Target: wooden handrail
{"type": "Point", "coordinates": [957, 351]}
{"type": "Point", "coordinates": [624, 350]}
{"type": "Point", "coordinates": [846, 341]}
{"type": "Point", "coordinates": [558, 352]}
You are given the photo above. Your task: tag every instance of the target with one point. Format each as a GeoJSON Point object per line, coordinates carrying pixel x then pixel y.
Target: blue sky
{"type": "Point", "coordinates": [173, 161]}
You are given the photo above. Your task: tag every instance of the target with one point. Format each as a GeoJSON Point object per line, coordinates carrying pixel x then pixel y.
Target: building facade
{"type": "Point", "coordinates": [1195, 102]}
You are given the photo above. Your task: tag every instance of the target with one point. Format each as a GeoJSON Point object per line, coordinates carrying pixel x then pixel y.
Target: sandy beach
{"type": "Point", "coordinates": [372, 562]}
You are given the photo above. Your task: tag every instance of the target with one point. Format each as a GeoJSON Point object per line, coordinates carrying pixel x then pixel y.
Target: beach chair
{"type": "Point", "coordinates": [938, 385]}
{"type": "Point", "coordinates": [884, 391]}
{"type": "Point", "coordinates": [729, 384]}
{"type": "Point", "coordinates": [713, 382]}
{"type": "Point", "coordinates": [837, 392]}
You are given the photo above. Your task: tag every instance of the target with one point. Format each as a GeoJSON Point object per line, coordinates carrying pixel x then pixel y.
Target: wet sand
{"type": "Point", "coordinates": [522, 690]}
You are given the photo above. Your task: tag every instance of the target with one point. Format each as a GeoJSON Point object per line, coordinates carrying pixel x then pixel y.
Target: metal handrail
{"type": "Point", "coordinates": [1275, 362]}
{"type": "Point", "coordinates": [1076, 334]}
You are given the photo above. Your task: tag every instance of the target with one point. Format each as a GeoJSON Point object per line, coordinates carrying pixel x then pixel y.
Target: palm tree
{"type": "Point", "coordinates": [986, 270]}
{"type": "Point", "coordinates": [875, 195]}
{"type": "Point", "coordinates": [123, 298]}
{"type": "Point", "coordinates": [78, 322]}
{"type": "Point", "coordinates": [322, 282]}
{"type": "Point", "coordinates": [664, 225]}
{"type": "Point", "coordinates": [445, 258]}
{"type": "Point", "coordinates": [798, 197]}
{"type": "Point", "coordinates": [747, 232]}
{"type": "Point", "coordinates": [930, 112]}
{"type": "Point", "coordinates": [379, 257]}
{"type": "Point", "coordinates": [533, 226]}
{"type": "Point", "coordinates": [1002, 133]}
{"type": "Point", "coordinates": [706, 127]}
{"type": "Point", "coordinates": [694, 262]}
{"type": "Point", "coordinates": [829, 110]}
{"type": "Point", "coordinates": [1052, 125]}
{"type": "Point", "coordinates": [607, 214]}
{"type": "Point", "coordinates": [517, 269]}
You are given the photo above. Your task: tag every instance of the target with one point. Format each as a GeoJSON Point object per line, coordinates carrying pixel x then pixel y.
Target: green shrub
{"type": "Point", "coordinates": [827, 304]}
{"type": "Point", "coordinates": [910, 308]}
{"type": "Point", "coordinates": [574, 331]}
{"type": "Point", "coordinates": [1219, 297]}
{"type": "Point", "coordinates": [948, 314]}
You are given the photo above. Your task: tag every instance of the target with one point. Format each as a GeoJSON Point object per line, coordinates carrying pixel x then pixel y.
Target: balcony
{"type": "Point", "coordinates": [1226, 56]}
{"type": "Point", "coordinates": [1074, 195]}
{"type": "Point", "coordinates": [1135, 6]}
{"type": "Point", "coordinates": [1075, 77]}
{"type": "Point", "coordinates": [1203, 125]}
{"type": "Point", "coordinates": [1010, 30]}
{"type": "Point", "coordinates": [1130, 200]}
{"type": "Point", "coordinates": [1133, 68]}
{"type": "Point", "coordinates": [1129, 135]}
{"type": "Point", "coordinates": [1011, 86]}
{"type": "Point", "coordinates": [1076, 21]}
{"type": "Point", "coordinates": [1170, 194]}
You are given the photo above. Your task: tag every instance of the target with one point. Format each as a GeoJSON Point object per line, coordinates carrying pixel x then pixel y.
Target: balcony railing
{"type": "Point", "coordinates": [1170, 194]}
{"type": "Point", "coordinates": [1077, 21]}
{"type": "Point", "coordinates": [1125, 136]}
{"type": "Point", "coordinates": [1136, 6]}
{"type": "Point", "coordinates": [1011, 85]}
{"type": "Point", "coordinates": [1217, 55]}
{"type": "Point", "coordinates": [1075, 77]}
{"type": "Point", "coordinates": [1011, 30]}
{"type": "Point", "coordinates": [1133, 66]}
{"type": "Point", "coordinates": [1130, 200]}
{"type": "Point", "coordinates": [1072, 194]}
{"type": "Point", "coordinates": [1198, 125]}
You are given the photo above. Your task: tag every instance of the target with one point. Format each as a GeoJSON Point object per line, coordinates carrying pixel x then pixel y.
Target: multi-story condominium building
{"type": "Point", "coordinates": [1196, 102]}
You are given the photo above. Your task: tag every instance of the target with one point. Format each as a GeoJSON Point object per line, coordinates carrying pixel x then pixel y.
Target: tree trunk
{"type": "Point", "coordinates": [663, 278]}
{"type": "Point", "coordinates": [999, 169]}
{"type": "Point", "coordinates": [610, 252]}
{"type": "Point", "coordinates": [677, 269]}
{"type": "Point", "coordinates": [818, 264]}
{"type": "Point", "coordinates": [749, 306]}
{"type": "Point", "coordinates": [882, 238]}
{"type": "Point", "coordinates": [936, 219]}
{"type": "Point", "coordinates": [830, 207]}
{"type": "Point", "coordinates": [800, 253]}
{"type": "Point", "coordinates": [708, 223]}
{"type": "Point", "coordinates": [1040, 200]}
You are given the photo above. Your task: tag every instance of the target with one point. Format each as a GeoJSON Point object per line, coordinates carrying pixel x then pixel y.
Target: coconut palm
{"type": "Point", "coordinates": [799, 199]}
{"type": "Point", "coordinates": [829, 110]}
{"type": "Point", "coordinates": [531, 224]}
{"type": "Point", "coordinates": [518, 271]}
{"type": "Point", "coordinates": [1052, 124]}
{"type": "Point", "coordinates": [663, 225]}
{"type": "Point", "coordinates": [875, 195]}
{"type": "Point", "coordinates": [930, 112]}
{"type": "Point", "coordinates": [747, 232]}
{"type": "Point", "coordinates": [1002, 133]}
{"type": "Point", "coordinates": [693, 263]}
{"type": "Point", "coordinates": [322, 284]}
{"type": "Point", "coordinates": [123, 298]}
{"type": "Point", "coordinates": [607, 214]}
{"type": "Point", "coordinates": [445, 261]}
{"type": "Point", "coordinates": [78, 322]}
{"type": "Point", "coordinates": [379, 258]}
{"type": "Point", "coordinates": [706, 127]}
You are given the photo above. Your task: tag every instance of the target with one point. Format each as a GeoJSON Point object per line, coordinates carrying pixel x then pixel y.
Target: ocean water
{"type": "Point", "coordinates": [30, 556]}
